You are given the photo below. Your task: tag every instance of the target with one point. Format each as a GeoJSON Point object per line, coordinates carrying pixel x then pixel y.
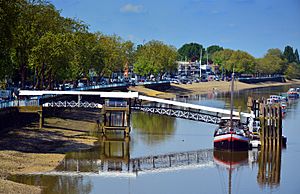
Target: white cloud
{"type": "Point", "coordinates": [130, 8]}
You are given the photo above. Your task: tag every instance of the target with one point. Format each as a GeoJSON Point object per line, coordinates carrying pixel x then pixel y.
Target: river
{"type": "Point", "coordinates": [170, 155]}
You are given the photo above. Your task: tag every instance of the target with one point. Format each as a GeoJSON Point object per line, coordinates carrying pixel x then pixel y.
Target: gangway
{"type": "Point", "coordinates": [165, 107]}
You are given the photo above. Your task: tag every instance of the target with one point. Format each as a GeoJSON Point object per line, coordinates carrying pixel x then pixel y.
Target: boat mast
{"type": "Point", "coordinates": [231, 100]}
{"type": "Point", "coordinates": [200, 73]}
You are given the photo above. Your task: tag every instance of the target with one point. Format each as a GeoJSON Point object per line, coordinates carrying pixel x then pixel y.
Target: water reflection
{"type": "Point", "coordinates": [111, 154]}
{"type": "Point", "coordinates": [56, 184]}
{"type": "Point", "coordinates": [269, 170]}
{"type": "Point", "coordinates": [157, 127]}
{"type": "Point", "coordinates": [231, 160]}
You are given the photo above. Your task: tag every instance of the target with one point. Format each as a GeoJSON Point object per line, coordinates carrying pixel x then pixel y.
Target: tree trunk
{"type": "Point", "coordinates": [23, 75]}
{"type": "Point", "coordinates": [43, 75]}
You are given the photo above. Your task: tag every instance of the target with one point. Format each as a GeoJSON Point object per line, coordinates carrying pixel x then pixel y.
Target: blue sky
{"type": "Point", "coordinates": [250, 25]}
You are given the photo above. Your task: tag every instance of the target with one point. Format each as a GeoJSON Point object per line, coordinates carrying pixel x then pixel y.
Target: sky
{"type": "Point", "coordinates": [250, 25]}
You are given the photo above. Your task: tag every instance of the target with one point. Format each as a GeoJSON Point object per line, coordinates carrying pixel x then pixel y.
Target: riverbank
{"type": "Point", "coordinates": [26, 149]}
{"type": "Point", "coordinates": [204, 87]}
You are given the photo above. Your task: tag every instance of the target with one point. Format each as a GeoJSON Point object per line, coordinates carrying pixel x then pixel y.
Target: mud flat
{"type": "Point", "coordinates": [26, 149]}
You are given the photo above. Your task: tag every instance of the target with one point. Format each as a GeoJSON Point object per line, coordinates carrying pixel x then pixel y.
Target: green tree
{"type": "Point", "coordinates": [241, 61]}
{"type": "Point", "coordinates": [212, 49]}
{"type": "Point", "coordinates": [81, 63]}
{"type": "Point", "coordinates": [190, 51]}
{"type": "Point", "coordinates": [293, 71]}
{"type": "Point", "coordinates": [221, 58]}
{"type": "Point", "coordinates": [9, 11]}
{"type": "Point", "coordinates": [51, 58]}
{"type": "Point", "coordinates": [155, 58]}
{"type": "Point", "coordinates": [272, 62]}
{"type": "Point", "coordinates": [36, 18]}
{"type": "Point", "coordinates": [288, 53]}
{"type": "Point", "coordinates": [297, 56]}
{"type": "Point", "coordinates": [111, 54]}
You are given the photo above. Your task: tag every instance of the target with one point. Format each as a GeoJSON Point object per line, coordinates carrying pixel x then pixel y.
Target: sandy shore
{"type": "Point", "coordinates": [205, 87]}
{"type": "Point", "coordinates": [28, 149]}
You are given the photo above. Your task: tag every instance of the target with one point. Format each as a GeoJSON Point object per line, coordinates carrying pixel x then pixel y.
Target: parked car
{"type": "Point", "coordinates": [204, 79]}
{"type": "Point", "coordinates": [175, 81]}
{"type": "Point", "coordinates": [184, 81]}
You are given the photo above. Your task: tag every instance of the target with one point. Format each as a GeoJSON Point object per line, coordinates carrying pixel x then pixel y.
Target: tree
{"type": "Point", "coordinates": [242, 62]}
{"type": "Point", "coordinates": [111, 54]}
{"type": "Point", "coordinates": [9, 11]}
{"type": "Point", "coordinates": [297, 60]}
{"type": "Point", "coordinates": [288, 53]}
{"type": "Point", "coordinates": [212, 49]}
{"type": "Point", "coordinates": [51, 58]}
{"type": "Point", "coordinates": [293, 71]}
{"type": "Point", "coordinates": [272, 62]}
{"type": "Point", "coordinates": [155, 58]}
{"type": "Point", "coordinates": [221, 58]}
{"type": "Point", "coordinates": [190, 51]}
{"type": "Point", "coordinates": [36, 18]}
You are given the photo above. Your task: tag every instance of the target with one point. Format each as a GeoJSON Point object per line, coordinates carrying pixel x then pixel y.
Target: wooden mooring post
{"type": "Point", "coordinates": [115, 115]}
{"type": "Point", "coordinates": [271, 125]}
{"type": "Point", "coordinates": [270, 119]}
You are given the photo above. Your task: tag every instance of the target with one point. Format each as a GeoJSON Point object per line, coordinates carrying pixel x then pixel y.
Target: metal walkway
{"type": "Point", "coordinates": [166, 107]}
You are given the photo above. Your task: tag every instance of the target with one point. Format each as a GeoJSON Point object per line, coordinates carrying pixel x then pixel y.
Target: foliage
{"type": "Point", "coordinates": [288, 53]}
{"type": "Point", "coordinates": [39, 46]}
{"type": "Point", "coordinates": [155, 58]}
{"type": "Point", "coordinates": [273, 62]}
{"type": "Point", "coordinates": [9, 11]}
{"type": "Point", "coordinates": [111, 54]}
{"type": "Point", "coordinates": [297, 60]}
{"type": "Point", "coordinates": [190, 52]}
{"type": "Point", "coordinates": [51, 58]}
{"type": "Point", "coordinates": [214, 48]}
{"type": "Point", "coordinates": [240, 61]}
{"type": "Point", "coordinates": [293, 71]}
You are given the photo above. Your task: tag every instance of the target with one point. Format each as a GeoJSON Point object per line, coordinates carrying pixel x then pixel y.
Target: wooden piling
{"type": "Point", "coordinates": [270, 124]}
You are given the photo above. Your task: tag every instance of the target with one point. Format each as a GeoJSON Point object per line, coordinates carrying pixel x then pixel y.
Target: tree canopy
{"type": "Point", "coordinates": [190, 52]}
{"type": "Point", "coordinates": [239, 61]}
{"type": "Point", "coordinates": [272, 62]}
{"type": "Point", "coordinates": [155, 58]}
{"type": "Point", "coordinates": [40, 46]}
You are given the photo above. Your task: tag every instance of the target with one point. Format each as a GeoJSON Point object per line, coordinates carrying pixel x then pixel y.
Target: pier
{"type": "Point", "coordinates": [105, 102]}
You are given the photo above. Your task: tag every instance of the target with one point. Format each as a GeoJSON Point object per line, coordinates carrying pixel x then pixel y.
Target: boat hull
{"type": "Point", "coordinates": [231, 142]}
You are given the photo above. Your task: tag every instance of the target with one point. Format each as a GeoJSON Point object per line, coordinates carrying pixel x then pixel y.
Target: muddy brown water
{"type": "Point", "coordinates": [170, 155]}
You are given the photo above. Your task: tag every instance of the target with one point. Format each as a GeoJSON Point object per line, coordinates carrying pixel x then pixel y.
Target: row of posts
{"type": "Point", "coordinates": [270, 118]}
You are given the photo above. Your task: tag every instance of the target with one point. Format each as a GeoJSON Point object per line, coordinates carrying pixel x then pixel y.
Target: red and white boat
{"type": "Point", "coordinates": [231, 137]}
{"type": "Point", "coordinates": [231, 134]}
